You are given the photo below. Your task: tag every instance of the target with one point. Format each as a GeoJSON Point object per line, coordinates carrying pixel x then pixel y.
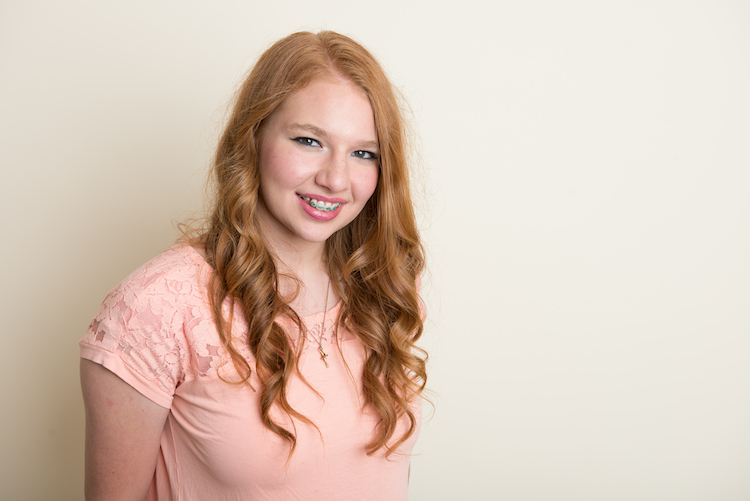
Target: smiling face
{"type": "Point", "coordinates": [318, 159]}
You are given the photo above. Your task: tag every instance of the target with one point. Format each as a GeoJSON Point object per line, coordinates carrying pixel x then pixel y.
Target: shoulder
{"type": "Point", "coordinates": [158, 293]}
{"type": "Point", "coordinates": [153, 301]}
{"type": "Point", "coordinates": [140, 332]}
{"type": "Point", "coordinates": [178, 271]}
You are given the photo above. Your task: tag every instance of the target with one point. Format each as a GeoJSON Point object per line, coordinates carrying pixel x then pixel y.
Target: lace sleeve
{"type": "Point", "coordinates": [139, 334]}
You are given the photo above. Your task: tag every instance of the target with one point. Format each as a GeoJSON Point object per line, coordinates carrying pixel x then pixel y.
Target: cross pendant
{"type": "Point", "coordinates": [323, 355]}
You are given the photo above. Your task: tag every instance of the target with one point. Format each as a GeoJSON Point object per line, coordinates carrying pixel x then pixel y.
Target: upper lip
{"type": "Point", "coordinates": [321, 198]}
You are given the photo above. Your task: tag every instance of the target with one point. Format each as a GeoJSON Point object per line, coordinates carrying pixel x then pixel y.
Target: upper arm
{"type": "Point", "coordinates": [123, 430]}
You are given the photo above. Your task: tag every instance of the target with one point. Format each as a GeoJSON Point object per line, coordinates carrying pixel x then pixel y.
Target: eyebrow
{"type": "Point", "coordinates": [322, 133]}
{"type": "Point", "coordinates": [310, 128]}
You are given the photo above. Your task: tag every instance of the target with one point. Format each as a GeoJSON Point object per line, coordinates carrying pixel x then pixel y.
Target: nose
{"type": "Point", "coordinates": [333, 173]}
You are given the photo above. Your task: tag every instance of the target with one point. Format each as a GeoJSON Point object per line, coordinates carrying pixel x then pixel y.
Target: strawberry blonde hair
{"type": "Point", "coordinates": [377, 258]}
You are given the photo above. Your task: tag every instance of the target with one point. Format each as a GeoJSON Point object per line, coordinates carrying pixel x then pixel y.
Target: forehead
{"type": "Point", "coordinates": [335, 106]}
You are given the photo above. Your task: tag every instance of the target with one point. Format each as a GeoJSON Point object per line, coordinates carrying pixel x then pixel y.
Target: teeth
{"type": "Point", "coordinates": [320, 205]}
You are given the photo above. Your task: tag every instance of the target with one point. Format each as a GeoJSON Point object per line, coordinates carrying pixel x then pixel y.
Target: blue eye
{"type": "Point", "coordinates": [306, 141]}
{"type": "Point", "coordinates": [365, 155]}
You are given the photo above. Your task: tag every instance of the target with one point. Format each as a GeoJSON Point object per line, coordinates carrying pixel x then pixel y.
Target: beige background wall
{"type": "Point", "coordinates": [587, 211]}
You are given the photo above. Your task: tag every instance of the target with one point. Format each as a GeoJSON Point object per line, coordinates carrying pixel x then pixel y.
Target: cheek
{"type": "Point", "coordinates": [281, 168]}
{"type": "Point", "coordinates": [365, 184]}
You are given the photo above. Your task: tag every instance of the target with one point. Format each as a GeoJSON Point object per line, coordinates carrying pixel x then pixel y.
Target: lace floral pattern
{"type": "Point", "coordinates": [158, 322]}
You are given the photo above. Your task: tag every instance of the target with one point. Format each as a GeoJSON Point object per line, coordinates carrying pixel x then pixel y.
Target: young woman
{"type": "Point", "coordinates": [272, 357]}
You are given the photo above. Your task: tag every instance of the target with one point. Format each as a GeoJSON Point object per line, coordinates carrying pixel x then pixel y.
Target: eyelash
{"type": "Point", "coordinates": [306, 141]}
{"type": "Point", "coordinates": [362, 154]}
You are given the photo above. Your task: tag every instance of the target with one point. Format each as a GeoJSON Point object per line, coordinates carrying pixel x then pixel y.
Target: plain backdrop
{"type": "Point", "coordinates": [584, 186]}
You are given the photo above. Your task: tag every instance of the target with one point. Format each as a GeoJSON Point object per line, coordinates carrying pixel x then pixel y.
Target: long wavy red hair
{"type": "Point", "coordinates": [378, 258]}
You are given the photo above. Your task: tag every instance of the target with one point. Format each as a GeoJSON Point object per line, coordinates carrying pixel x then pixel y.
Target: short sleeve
{"type": "Point", "coordinates": [139, 335]}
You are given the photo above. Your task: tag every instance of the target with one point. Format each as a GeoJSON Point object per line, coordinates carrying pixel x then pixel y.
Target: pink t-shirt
{"type": "Point", "coordinates": [156, 332]}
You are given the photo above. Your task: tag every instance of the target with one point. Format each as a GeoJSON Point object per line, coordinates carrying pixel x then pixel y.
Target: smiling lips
{"type": "Point", "coordinates": [321, 205]}
{"type": "Point", "coordinates": [321, 210]}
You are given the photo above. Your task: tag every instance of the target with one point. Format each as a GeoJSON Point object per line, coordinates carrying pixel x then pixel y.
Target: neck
{"type": "Point", "coordinates": [296, 257]}
{"type": "Point", "coordinates": [300, 262]}
{"type": "Point", "coordinates": [303, 276]}
{"type": "Point", "coordinates": [306, 291]}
